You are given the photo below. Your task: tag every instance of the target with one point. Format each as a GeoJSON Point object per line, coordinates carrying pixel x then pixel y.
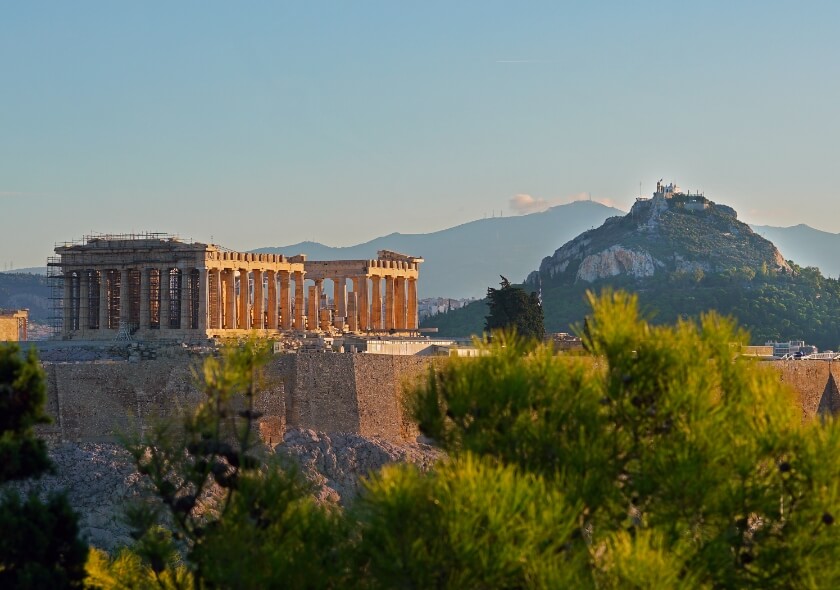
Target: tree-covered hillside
{"type": "Point", "coordinates": [772, 306]}
{"type": "Point", "coordinates": [23, 290]}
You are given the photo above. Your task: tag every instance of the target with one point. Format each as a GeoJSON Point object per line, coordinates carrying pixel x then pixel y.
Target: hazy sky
{"type": "Point", "coordinates": [267, 123]}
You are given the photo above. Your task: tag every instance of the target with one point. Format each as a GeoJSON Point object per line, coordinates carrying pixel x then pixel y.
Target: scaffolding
{"type": "Point", "coordinates": [130, 237]}
{"type": "Point", "coordinates": [69, 295]}
{"type": "Point", "coordinates": [55, 280]}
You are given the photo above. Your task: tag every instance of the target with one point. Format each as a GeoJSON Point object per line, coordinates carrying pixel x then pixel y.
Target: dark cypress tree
{"type": "Point", "coordinates": [514, 308]}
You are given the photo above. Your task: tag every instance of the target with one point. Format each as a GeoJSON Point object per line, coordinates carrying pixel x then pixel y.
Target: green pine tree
{"type": "Point", "coordinates": [39, 545]}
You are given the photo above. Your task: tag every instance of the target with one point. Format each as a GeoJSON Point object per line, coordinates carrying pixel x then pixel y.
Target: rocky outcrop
{"type": "Point", "coordinates": [683, 234]}
{"type": "Point", "coordinates": [100, 479]}
{"type": "Point", "coordinates": [615, 261]}
{"type": "Point", "coordinates": [337, 463]}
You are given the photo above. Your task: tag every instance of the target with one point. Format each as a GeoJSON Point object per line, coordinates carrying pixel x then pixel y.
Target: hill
{"type": "Point", "coordinates": [806, 245]}
{"type": "Point", "coordinates": [681, 262]}
{"type": "Point", "coordinates": [462, 261]}
{"type": "Point", "coordinates": [30, 291]}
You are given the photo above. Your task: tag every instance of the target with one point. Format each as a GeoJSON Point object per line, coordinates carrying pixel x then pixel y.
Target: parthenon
{"type": "Point", "coordinates": [156, 286]}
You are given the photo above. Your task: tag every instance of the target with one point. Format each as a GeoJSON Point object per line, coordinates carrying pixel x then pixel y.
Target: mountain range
{"type": "Point", "coordinates": [806, 246]}
{"type": "Point", "coordinates": [683, 255]}
{"type": "Point", "coordinates": [463, 261]}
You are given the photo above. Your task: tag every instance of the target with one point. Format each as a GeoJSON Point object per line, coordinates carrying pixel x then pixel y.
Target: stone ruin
{"type": "Point", "coordinates": [156, 287]}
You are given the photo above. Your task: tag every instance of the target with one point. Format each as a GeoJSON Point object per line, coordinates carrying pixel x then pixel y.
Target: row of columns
{"type": "Point", "coordinates": [113, 298]}
{"type": "Point", "coordinates": [362, 308]}
{"type": "Point", "coordinates": [233, 299]}
{"type": "Point", "coordinates": [229, 310]}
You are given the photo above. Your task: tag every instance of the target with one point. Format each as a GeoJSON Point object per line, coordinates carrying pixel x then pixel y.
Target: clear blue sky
{"type": "Point", "coordinates": [267, 123]}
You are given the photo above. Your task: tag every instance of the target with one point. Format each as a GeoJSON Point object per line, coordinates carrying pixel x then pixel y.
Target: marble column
{"type": "Point", "coordinates": [352, 311]}
{"type": "Point", "coordinates": [230, 299]}
{"type": "Point", "coordinates": [399, 303]}
{"type": "Point", "coordinates": [412, 322]}
{"type": "Point", "coordinates": [362, 304]}
{"type": "Point", "coordinates": [243, 321]}
{"type": "Point", "coordinates": [165, 298]}
{"type": "Point", "coordinates": [389, 303]}
{"type": "Point", "coordinates": [285, 301]}
{"type": "Point", "coordinates": [299, 304]}
{"type": "Point", "coordinates": [203, 299]}
{"type": "Point", "coordinates": [354, 314]}
{"type": "Point", "coordinates": [312, 308]}
{"type": "Point", "coordinates": [103, 299]}
{"type": "Point", "coordinates": [376, 303]}
{"type": "Point", "coordinates": [186, 299]}
{"type": "Point", "coordinates": [125, 280]}
{"type": "Point", "coordinates": [271, 277]}
{"type": "Point", "coordinates": [340, 296]}
{"type": "Point", "coordinates": [258, 322]}
{"type": "Point", "coordinates": [84, 301]}
{"type": "Point", "coordinates": [319, 290]}
{"type": "Point", "coordinates": [145, 300]}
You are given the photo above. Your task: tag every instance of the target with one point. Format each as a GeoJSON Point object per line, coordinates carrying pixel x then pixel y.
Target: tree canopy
{"type": "Point", "coordinates": [680, 466]}
{"type": "Point", "coordinates": [659, 460]}
{"type": "Point", "coordinates": [39, 545]}
{"type": "Point", "coordinates": [513, 308]}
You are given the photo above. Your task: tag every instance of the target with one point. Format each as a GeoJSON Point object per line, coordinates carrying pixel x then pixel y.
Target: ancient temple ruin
{"type": "Point", "coordinates": [156, 286]}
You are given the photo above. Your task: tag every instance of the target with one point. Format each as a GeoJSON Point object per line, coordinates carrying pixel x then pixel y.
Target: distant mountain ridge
{"type": "Point", "coordinates": [806, 246]}
{"type": "Point", "coordinates": [463, 261]}
{"type": "Point", "coordinates": [682, 255]}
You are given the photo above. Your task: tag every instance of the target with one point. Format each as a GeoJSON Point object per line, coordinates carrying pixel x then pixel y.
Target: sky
{"type": "Point", "coordinates": [254, 124]}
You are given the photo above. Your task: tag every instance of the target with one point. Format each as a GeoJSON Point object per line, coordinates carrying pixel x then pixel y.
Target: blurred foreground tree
{"type": "Point", "coordinates": [39, 545]}
{"type": "Point", "coordinates": [236, 520]}
{"type": "Point", "coordinates": [682, 466]}
{"type": "Point", "coordinates": [660, 461]}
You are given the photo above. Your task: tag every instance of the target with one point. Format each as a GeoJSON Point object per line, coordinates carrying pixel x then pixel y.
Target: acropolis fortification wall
{"type": "Point", "coordinates": [359, 393]}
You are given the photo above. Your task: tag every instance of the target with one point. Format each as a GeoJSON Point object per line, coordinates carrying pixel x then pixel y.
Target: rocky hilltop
{"type": "Point", "coordinates": [671, 232]}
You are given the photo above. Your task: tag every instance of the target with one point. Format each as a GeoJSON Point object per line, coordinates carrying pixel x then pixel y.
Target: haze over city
{"type": "Point", "coordinates": [266, 123]}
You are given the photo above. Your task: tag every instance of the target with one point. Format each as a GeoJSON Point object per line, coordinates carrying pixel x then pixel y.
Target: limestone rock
{"type": "Point", "coordinates": [680, 233]}
{"type": "Point", "coordinates": [100, 479]}
{"type": "Point", "coordinates": [336, 463]}
{"type": "Point", "coordinates": [615, 261]}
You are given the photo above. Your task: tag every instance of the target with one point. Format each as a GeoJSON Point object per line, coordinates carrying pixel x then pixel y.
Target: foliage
{"type": "Point", "coordinates": [233, 519]}
{"type": "Point", "coordinates": [39, 547]}
{"type": "Point", "coordinates": [126, 571]}
{"type": "Point", "coordinates": [658, 460]}
{"type": "Point", "coordinates": [683, 467]}
{"type": "Point", "coordinates": [782, 307]}
{"type": "Point", "coordinates": [470, 524]}
{"type": "Point", "coordinates": [465, 321]}
{"type": "Point", "coordinates": [512, 308]}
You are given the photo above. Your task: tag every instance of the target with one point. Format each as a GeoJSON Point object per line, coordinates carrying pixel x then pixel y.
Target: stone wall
{"type": "Point", "coordinates": [359, 393]}
{"type": "Point", "coordinates": [815, 384]}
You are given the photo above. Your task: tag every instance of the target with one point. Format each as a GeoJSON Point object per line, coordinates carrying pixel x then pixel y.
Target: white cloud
{"type": "Point", "coordinates": [527, 204]}
{"type": "Point", "coordinates": [524, 203]}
